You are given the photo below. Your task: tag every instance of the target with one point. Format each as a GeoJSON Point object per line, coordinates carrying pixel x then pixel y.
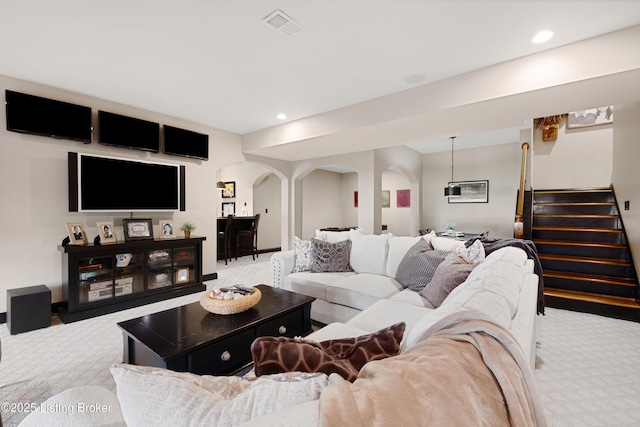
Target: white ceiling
{"type": "Point", "coordinates": [217, 63]}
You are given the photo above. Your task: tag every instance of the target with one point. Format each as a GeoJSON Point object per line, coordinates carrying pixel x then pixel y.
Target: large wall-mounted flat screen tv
{"type": "Point", "coordinates": [47, 117]}
{"type": "Point", "coordinates": [111, 184]}
{"type": "Point", "coordinates": [182, 142]}
{"type": "Point", "coordinates": [128, 132]}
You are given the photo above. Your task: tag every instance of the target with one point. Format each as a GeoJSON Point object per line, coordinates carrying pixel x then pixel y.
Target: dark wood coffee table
{"type": "Point", "coordinates": [190, 339]}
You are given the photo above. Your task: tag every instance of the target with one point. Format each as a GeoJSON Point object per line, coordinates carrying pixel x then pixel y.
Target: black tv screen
{"type": "Point", "coordinates": [182, 142]}
{"type": "Point", "coordinates": [106, 184]}
{"type": "Point", "coordinates": [128, 132]}
{"type": "Point", "coordinates": [47, 117]}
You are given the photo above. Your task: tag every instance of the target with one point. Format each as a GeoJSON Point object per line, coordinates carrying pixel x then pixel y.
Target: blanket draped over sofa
{"type": "Point", "coordinates": [466, 371]}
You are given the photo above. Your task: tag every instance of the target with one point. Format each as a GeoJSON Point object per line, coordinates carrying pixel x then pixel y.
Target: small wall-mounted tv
{"type": "Point", "coordinates": [182, 142]}
{"type": "Point", "coordinates": [128, 132]}
{"type": "Point", "coordinates": [111, 184]}
{"type": "Point", "coordinates": [47, 117]}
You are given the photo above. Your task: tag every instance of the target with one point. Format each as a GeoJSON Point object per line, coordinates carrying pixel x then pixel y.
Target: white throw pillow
{"type": "Point", "coordinates": [445, 243]}
{"type": "Point", "coordinates": [302, 259]}
{"type": "Point", "coordinates": [333, 236]}
{"type": "Point", "coordinates": [155, 396]}
{"type": "Point", "coordinates": [369, 252]}
{"type": "Point", "coordinates": [474, 254]}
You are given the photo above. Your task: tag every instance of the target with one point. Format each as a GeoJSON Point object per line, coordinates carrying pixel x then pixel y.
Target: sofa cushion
{"type": "Point", "coordinates": [448, 275]}
{"type": "Point", "coordinates": [344, 356]}
{"type": "Point", "coordinates": [302, 258]}
{"type": "Point", "coordinates": [418, 266]}
{"type": "Point", "coordinates": [368, 252]}
{"type": "Point", "coordinates": [398, 248]}
{"type": "Point", "coordinates": [155, 396]}
{"type": "Point", "coordinates": [330, 257]}
{"type": "Point", "coordinates": [312, 284]}
{"type": "Point", "coordinates": [407, 296]}
{"type": "Point", "coordinates": [361, 290]}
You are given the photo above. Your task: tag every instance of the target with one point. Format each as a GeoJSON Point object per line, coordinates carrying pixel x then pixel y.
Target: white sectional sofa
{"type": "Point", "coordinates": [481, 339]}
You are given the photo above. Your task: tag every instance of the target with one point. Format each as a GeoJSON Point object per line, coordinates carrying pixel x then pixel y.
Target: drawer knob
{"type": "Point", "coordinates": [282, 330]}
{"type": "Point", "coordinates": [226, 356]}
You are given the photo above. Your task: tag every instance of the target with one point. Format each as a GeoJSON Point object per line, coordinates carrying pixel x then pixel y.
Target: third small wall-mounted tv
{"type": "Point", "coordinates": [47, 117]}
{"type": "Point", "coordinates": [128, 132]}
{"type": "Point", "coordinates": [182, 142]}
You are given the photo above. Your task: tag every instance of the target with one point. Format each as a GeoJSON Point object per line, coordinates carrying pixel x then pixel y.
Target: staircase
{"type": "Point", "coordinates": [584, 253]}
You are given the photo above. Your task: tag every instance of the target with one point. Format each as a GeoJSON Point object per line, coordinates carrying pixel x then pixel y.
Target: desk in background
{"type": "Point", "coordinates": [238, 223]}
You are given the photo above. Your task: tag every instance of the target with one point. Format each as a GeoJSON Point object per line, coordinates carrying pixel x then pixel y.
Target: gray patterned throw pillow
{"type": "Point", "coordinates": [419, 265]}
{"type": "Point", "coordinates": [330, 257]}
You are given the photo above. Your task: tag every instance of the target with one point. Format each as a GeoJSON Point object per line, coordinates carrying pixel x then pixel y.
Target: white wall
{"type": "Point", "coordinates": [266, 202]}
{"type": "Point", "coordinates": [33, 188]}
{"type": "Point", "coordinates": [397, 219]}
{"type": "Point", "coordinates": [349, 211]}
{"type": "Point", "coordinates": [578, 158]}
{"type": "Point", "coordinates": [499, 164]}
{"type": "Point", "coordinates": [626, 175]}
{"type": "Point", "coordinates": [321, 202]}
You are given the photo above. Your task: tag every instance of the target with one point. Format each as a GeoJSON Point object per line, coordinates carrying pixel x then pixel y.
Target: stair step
{"type": "Point", "coordinates": [593, 298]}
{"type": "Point", "coordinates": [575, 216]}
{"type": "Point", "coordinates": [582, 244]}
{"type": "Point", "coordinates": [577, 229]}
{"type": "Point", "coordinates": [570, 258]}
{"type": "Point", "coordinates": [611, 280]}
{"type": "Point", "coordinates": [573, 203]}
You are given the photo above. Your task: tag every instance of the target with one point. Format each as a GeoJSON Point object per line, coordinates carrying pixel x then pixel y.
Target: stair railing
{"type": "Point", "coordinates": [518, 226]}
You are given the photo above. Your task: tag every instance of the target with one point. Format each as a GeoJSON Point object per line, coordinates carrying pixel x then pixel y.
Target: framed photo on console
{"type": "Point", "coordinates": [166, 229]}
{"type": "Point", "coordinates": [182, 275]}
{"type": "Point", "coordinates": [228, 208]}
{"type": "Point", "coordinates": [77, 236]}
{"type": "Point", "coordinates": [107, 232]}
{"type": "Point", "coordinates": [137, 229]}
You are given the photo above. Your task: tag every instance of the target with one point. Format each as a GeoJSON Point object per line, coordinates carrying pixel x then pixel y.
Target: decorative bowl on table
{"type": "Point", "coordinates": [212, 302]}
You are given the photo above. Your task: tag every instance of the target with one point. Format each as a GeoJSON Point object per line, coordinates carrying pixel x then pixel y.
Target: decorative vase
{"type": "Point", "coordinates": [550, 133]}
{"type": "Point", "coordinates": [187, 234]}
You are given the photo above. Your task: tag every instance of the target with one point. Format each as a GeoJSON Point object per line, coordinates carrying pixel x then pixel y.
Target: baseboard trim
{"type": "Point", "coordinates": [207, 277]}
{"type": "Point", "coordinates": [3, 318]}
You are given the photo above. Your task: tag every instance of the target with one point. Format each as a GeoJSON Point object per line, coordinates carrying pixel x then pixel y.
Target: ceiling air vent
{"type": "Point", "coordinates": [281, 22]}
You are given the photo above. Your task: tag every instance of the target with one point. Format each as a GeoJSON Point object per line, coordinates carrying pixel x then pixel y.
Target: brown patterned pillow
{"type": "Point", "coordinates": [272, 355]}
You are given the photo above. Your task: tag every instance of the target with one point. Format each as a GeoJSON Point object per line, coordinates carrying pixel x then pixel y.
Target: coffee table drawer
{"type": "Point", "coordinates": [223, 356]}
{"type": "Point", "coordinates": [288, 325]}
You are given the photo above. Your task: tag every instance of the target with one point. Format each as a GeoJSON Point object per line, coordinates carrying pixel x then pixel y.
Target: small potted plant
{"type": "Point", "coordinates": [187, 227]}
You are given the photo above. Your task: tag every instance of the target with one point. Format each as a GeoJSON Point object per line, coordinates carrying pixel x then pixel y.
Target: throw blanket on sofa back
{"type": "Point", "coordinates": [468, 371]}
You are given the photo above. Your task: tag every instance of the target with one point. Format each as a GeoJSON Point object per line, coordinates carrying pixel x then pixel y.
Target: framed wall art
{"type": "Point", "coordinates": [230, 190]}
{"type": "Point", "coordinates": [472, 192]}
{"type": "Point", "coordinates": [107, 232]}
{"type": "Point", "coordinates": [137, 229]}
{"type": "Point", "coordinates": [590, 117]}
{"type": "Point", "coordinates": [386, 198]}
{"type": "Point", "coordinates": [182, 275]}
{"type": "Point", "coordinates": [77, 236]}
{"type": "Point", "coordinates": [403, 198]}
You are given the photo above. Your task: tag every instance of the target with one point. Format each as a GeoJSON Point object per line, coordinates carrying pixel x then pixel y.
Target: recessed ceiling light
{"type": "Point", "coordinates": [281, 116]}
{"type": "Point", "coordinates": [542, 36]}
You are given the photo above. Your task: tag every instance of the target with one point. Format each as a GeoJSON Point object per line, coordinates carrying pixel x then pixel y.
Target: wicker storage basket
{"type": "Point", "coordinates": [230, 306]}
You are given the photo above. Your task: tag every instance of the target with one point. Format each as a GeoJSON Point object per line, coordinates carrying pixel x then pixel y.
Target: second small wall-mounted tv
{"type": "Point", "coordinates": [186, 143]}
{"type": "Point", "coordinates": [128, 132]}
{"type": "Point", "coordinates": [47, 117]}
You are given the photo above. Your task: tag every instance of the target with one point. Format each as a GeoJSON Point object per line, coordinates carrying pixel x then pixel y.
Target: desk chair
{"type": "Point", "coordinates": [249, 235]}
{"type": "Point", "coordinates": [224, 237]}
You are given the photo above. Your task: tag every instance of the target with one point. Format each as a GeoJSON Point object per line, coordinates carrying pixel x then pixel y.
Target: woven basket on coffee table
{"type": "Point", "coordinates": [230, 306]}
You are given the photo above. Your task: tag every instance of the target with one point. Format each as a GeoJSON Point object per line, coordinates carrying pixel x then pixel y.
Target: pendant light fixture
{"type": "Point", "coordinates": [220, 185]}
{"type": "Point", "coordinates": [452, 190]}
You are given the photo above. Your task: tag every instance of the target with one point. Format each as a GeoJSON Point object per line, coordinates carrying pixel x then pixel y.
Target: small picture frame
{"type": "Point", "coordinates": [107, 232]}
{"type": "Point", "coordinates": [403, 198]}
{"type": "Point", "coordinates": [166, 229]}
{"type": "Point", "coordinates": [182, 275]}
{"type": "Point", "coordinates": [137, 229]}
{"type": "Point", "coordinates": [386, 198]}
{"type": "Point", "coordinates": [228, 208]}
{"type": "Point", "coordinates": [590, 117]}
{"type": "Point", "coordinates": [230, 191]}
{"type": "Point", "coordinates": [77, 235]}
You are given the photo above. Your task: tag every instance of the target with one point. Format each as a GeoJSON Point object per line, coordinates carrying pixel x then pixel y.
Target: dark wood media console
{"type": "Point", "coordinates": [101, 279]}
